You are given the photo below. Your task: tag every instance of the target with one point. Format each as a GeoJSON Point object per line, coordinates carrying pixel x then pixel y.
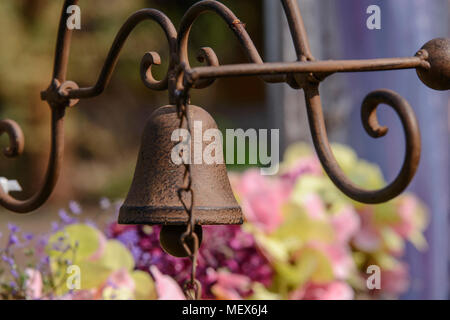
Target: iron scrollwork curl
{"type": "Point", "coordinates": [373, 128]}
{"type": "Point", "coordinates": [432, 64]}
{"type": "Point", "coordinates": [236, 25]}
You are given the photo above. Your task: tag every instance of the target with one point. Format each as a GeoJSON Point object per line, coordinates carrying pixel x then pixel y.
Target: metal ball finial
{"type": "Point", "coordinates": [437, 54]}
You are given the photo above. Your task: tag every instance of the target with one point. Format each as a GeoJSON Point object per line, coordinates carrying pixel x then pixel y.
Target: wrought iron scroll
{"type": "Point", "coordinates": [306, 73]}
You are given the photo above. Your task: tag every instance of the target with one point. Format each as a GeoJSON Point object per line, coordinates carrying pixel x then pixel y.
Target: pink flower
{"type": "Point", "coordinates": [33, 284]}
{"type": "Point", "coordinates": [367, 237]}
{"type": "Point", "coordinates": [251, 181]}
{"type": "Point", "coordinates": [395, 281]}
{"type": "Point", "coordinates": [262, 200]}
{"type": "Point", "coordinates": [263, 211]}
{"type": "Point", "coordinates": [314, 206]}
{"type": "Point", "coordinates": [118, 280]}
{"type": "Point", "coordinates": [228, 286]}
{"type": "Point", "coordinates": [121, 279]}
{"type": "Point", "coordinates": [80, 295]}
{"type": "Point", "coordinates": [101, 247]}
{"type": "Point", "coordinates": [166, 287]}
{"type": "Point", "coordinates": [406, 210]}
{"type": "Point", "coordinates": [307, 165]}
{"type": "Point", "coordinates": [346, 224]}
{"type": "Point", "coordinates": [337, 290]}
{"type": "Point", "coordinates": [340, 257]}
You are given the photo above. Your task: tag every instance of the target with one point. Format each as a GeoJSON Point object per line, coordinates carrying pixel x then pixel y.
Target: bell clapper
{"type": "Point", "coordinates": [170, 239]}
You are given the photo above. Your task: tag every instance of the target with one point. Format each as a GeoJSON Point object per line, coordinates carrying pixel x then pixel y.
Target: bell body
{"type": "Point", "coordinates": [153, 196]}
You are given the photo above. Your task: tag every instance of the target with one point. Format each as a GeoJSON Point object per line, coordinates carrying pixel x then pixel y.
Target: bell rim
{"type": "Point", "coordinates": [176, 215]}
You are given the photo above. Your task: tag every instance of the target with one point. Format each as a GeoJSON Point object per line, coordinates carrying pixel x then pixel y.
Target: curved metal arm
{"type": "Point", "coordinates": [53, 168]}
{"type": "Point", "coordinates": [371, 125]}
{"type": "Point", "coordinates": [431, 64]}
{"type": "Point", "coordinates": [233, 22]}
{"type": "Point", "coordinates": [148, 60]}
{"type": "Point", "coordinates": [58, 106]}
{"type": "Point", "coordinates": [16, 140]}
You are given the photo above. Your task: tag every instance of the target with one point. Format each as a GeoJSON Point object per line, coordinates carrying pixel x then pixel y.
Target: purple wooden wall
{"type": "Point", "coordinates": [406, 26]}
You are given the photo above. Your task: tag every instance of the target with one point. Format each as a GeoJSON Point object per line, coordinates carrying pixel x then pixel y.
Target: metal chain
{"type": "Point", "coordinates": [189, 239]}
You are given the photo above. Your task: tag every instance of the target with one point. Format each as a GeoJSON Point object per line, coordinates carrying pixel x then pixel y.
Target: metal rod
{"type": "Point", "coordinates": [233, 23]}
{"type": "Point", "coordinates": [298, 30]}
{"type": "Point", "coordinates": [63, 40]}
{"type": "Point", "coordinates": [431, 63]}
{"type": "Point", "coordinates": [330, 66]}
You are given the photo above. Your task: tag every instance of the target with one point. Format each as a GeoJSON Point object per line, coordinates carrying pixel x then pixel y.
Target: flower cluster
{"type": "Point", "coordinates": [74, 261]}
{"type": "Point", "coordinates": [302, 239]}
{"type": "Point", "coordinates": [319, 242]}
{"type": "Point", "coordinates": [229, 254]}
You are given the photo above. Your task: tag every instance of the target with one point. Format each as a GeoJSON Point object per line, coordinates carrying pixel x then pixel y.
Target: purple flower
{"type": "Point", "coordinates": [75, 207]}
{"type": "Point", "coordinates": [55, 226]}
{"type": "Point", "coordinates": [43, 241]}
{"type": "Point", "coordinates": [13, 239]}
{"type": "Point", "coordinates": [13, 228]}
{"type": "Point", "coordinates": [223, 246]}
{"type": "Point", "coordinates": [45, 260]}
{"type": "Point", "coordinates": [14, 273]}
{"type": "Point", "coordinates": [8, 260]}
{"type": "Point", "coordinates": [28, 236]}
{"type": "Point", "coordinates": [129, 237]}
{"type": "Point", "coordinates": [136, 252]}
{"type": "Point", "coordinates": [91, 223]}
{"type": "Point", "coordinates": [65, 217]}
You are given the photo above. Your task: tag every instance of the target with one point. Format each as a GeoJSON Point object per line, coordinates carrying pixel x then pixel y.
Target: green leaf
{"type": "Point", "coordinates": [345, 156]}
{"type": "Point", "coordinates": [261, 293]}
{"type": "Point", "coordinates": [392, 241]}
{"type": "Point", "coordinates": [311, 265]}
{"type": "Point", "coordinates": [93, 274]}
{"type": "Point", "coordinates": [419, 241]}
{"type": "Point", "coordinates": [386, 213]}
{"type": "Point", "coordinates": [298, 228]}
{"type": "Point", "coordinates": [295, 152]}
{"type": "Point", "coordinates": [274, 248]}
{"type": "Point", "coordinates": [295, 275]}
{"type": "Point", "coordinates": [116, 256]}
{"type": "Point", "coordinates": [323, 271]}
{"type": "Point", "coordinates": [144, 286]}
{"type": "Point", "coordinates": [80, 236]}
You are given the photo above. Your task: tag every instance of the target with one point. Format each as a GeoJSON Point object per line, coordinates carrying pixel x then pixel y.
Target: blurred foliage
{"type": "Point", "coordinates": [103, 134]}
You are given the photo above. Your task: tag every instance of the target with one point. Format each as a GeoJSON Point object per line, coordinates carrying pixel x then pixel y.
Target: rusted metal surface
{"type": "Point", "coordinates": [16, 140]}
{"type": "Point", "coordinates": [153, 195]}
{"type": "Point", "coordinates": [437, 54]}
{"type": "Point", "coordinates": [58, 103]}
{"type": "Point", "coordinates": [318, 67]}
{"type": "Point", "coordinates": [372, 127]}
{"type": "Point", "coordinates": [298, 30]}
{"type": "Point", "coordinates": [432, 64]}
{"type": "Point", "coordinates": [170, 239]}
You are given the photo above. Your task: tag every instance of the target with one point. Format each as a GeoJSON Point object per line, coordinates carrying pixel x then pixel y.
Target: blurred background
{"type": "Point", "coordinates": [103, 133]}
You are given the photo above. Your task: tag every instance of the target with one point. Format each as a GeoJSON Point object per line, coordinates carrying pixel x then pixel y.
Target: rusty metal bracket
{"type": "Point", "coordinates": [432, 64]}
